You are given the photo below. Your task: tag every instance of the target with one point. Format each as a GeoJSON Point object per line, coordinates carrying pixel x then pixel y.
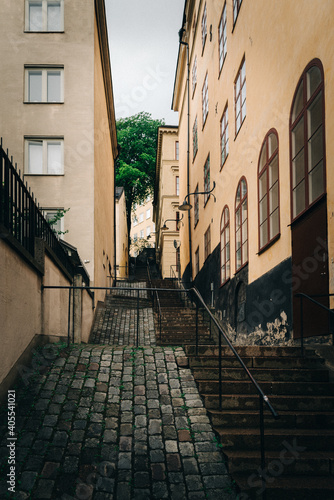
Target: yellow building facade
{"type": "Point", "coordinates": [57, 117]}
{"type": "Point", "coordinates": [166, 214]}
{"type": "Point", "coordinates": [260, 127]}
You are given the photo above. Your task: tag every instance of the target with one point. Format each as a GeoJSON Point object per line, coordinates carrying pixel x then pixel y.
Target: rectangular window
{"type": "Point", "coordinates": [194, 75]}
{"type": "Point", "coordinates": [44, 84]}
{"type": "Point", "coordinates": [148, 231]}
{"type": "Point", "coordinates": [44, 156]}
{"type": "Point", "coordinates": [236, 8]}
{"type": "Point", "coordinates": [196, 206]}
{"type": "Point", "coordinates": [148, 213]}
{"type": "Point", "coordinates": [176, 150]}
{"type": "Point", "coordinates": [177, 221]}
{"type": "Point", "coordinates": [56, 223]}
{"type": "Point", "coordinates": [240, 96]}
{"type": "Point", "coordinates": [135, 220]}
{"type": "Point", "coordinates": [224, 137]}
{"type": "Point", "coordinates": [135, 237]}
{"type": "Point", "coordinates": [197, 261]}
{"type": "Point", "coordinates": [207, 179]}
{"type": "Point", "coordinates": [207, 243]}
{"type": "Point", "coordinates": [141, 233]}
{"type": "Point", "coordinates": [44, 15]}
{"type": "Point", "coordinates": [177, 185]}
{"type": "Point", "coordinates": [205, 99]}
{"type": "Point", "coordinates": [222, 37]}
{"type": "Point", "coordinates": [141, 217]}
{"type": "Point", "coordinates": [204, 27]}
{"type": "Point", "coordinates": [195, 138]}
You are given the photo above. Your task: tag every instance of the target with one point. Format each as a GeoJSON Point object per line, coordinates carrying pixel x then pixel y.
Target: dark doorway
{"type": "Point", "coordinates": [310, 270]}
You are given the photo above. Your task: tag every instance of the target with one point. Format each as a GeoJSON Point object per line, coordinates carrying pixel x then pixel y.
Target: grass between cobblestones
{"type": "Point", "coordinates": [111, 422]}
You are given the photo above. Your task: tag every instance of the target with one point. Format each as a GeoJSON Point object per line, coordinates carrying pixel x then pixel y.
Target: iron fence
{"type": "Point", "coordinates": [20, 215]}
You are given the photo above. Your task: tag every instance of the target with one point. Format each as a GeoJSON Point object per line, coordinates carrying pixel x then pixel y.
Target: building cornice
{"type": "Point", "coordinates": [106, 69]}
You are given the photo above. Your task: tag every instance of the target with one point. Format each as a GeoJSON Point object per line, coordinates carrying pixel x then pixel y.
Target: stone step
{"type": "Point", "coordinates": [249, 439]}
{"type": "Point", "coordinates": [278, 388]}
{"type": "Point", "coordinates": [287, 419]}
{"type": "Point", "coordinates": [289, 488]}
{"type": "Point", "coordinates": [256, 362]}
{"type": "Point", "coordinates": [248, 351]}
{"type": "Point", "coordinates": [263, 374]}
{"type": "Point", "coordinates": [280, 403]}
{"type": "Point", "coordinates": [281, 462]}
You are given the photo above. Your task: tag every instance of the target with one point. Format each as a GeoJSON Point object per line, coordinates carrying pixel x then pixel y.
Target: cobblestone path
{"type": "Point", "coordinates": [103, 422]}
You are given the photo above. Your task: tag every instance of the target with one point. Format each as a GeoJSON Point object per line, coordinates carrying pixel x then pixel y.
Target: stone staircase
{"type": "Point", "coordinates": [299, 445]}
{"type": "Point", "coordinates": [178, 318]}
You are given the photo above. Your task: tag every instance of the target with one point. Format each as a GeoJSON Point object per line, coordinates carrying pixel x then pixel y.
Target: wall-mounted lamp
{"type": "Point", "coordinates": [187, 206]}
{"type": "Point", "coordinates": [164, 227]}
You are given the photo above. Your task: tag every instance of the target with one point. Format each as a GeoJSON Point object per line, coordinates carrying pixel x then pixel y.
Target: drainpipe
{"type": "Point", "coordinates": [182, 30]}
{"type": "Point", "coordinates": [115, 280]}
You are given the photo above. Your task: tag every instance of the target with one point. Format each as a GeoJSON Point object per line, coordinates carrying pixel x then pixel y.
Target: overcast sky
{"type": "Point", "coordinates": [143, 43]}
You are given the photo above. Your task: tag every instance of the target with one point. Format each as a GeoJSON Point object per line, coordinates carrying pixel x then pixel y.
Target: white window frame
{"type": "Point", "coordinates": [45, 4]}
{"type": "Point", "coordinates": [148, 231]}
{"type": "Point", "coordinates": [141, 234]}
{"type": "Point", "coordinates": [141, 217]}
{"type": "Point", "coordinates": [148, 213]}
{"type": "Point", "coordinates": [52, 212]}
{"type": "Point", "coordinates": [45, 141]}
{"type": "Point", "coordinates": [45, 70]}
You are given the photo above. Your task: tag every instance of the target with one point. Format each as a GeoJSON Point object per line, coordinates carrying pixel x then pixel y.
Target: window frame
{"type": "Point", "coordinates": [238, 96]}
{"type": "Point", "coordinates": [207, 243]}
{"type": "Point", "coordinates": [224, 138]}
{"type": "Point", "coordinates": [204, 27]}
{"type": "Point", "coordinates": [60, 229]}
{"type": "Point", "coordinates": [196, 206]}
{"type": "Point", "coordinates": [265, 169]}
{"type": "Point", "coordinates": [177, 185]}
{"type": "Point", "coordinates": [207, 179]}
{"type": "Point", "coordinates": [197, 261]}
{"type": "Point", "coordinates": [45, 70]}
{"type": "Point", "coordinates": [177, 150]}
{"type": "Point", "coordinates": [226, 243]}
{"type": "Point", "coordinates": [195, 138]}
{"type": "Point", "coordinates": [222, 38]}
{"type": "Point", "coordinates": [45, 141]}
{"type": "Point", "coordinates": [45, 4]}
{"type": "Point", "coordinates": [194, 76]}
{"type": "Point", "coordinates": [148, 213]}
{"type": "Point", "coordinates": [303, 115]}
{"type": "Point", "coordinates": [243, 199]}
{"type": "Point", "coordinates": [236, 9]}
{"type": "Point", "coordinates": [205, 99]}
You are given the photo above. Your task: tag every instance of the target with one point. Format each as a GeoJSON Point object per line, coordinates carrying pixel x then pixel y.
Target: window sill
{"type": "Point", "coordinates": [241, 268]}
{"type": "Point", "coordinates": [269, 244]}
{"type": "Point", "coordinates": [236, 135]}
{"type": "Point", "coordinates": [44, 32]}
{"type": "Point", "coordinates": [221, 69]}
{"type": "Point", "coordinates": [206, 119]}
{"type": "Point", "coordinates": [43, 102]}
{"type": "Point", "coordinates": [224, 283]}
{"type": "Point", "coordinates": [43, 175]}
{"type": "Point", "coordinates": [222, 166]}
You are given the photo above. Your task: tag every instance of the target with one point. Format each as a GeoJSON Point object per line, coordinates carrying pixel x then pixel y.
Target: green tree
{"type": "Point", "coordinates": [135, 166]}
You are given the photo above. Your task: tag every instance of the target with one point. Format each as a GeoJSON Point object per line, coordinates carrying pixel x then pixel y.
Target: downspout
{"type": "Point", "coordinates": [182, 30]}
{"type": "Point", "coordinates": [115, 246]}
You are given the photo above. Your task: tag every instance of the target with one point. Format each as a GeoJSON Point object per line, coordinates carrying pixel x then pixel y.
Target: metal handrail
{"type": "Point", "coordinates": [157, 298]}
{"type": "Point", "coordinates": [311, 299]}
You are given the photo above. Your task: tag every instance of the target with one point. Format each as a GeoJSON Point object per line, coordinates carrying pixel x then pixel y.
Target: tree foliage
{"type": "Point", "coordinates": [135, 166]}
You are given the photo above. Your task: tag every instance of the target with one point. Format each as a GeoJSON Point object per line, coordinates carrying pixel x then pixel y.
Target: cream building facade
{"type": "Point", "coordinates": [122, 240]}
{"type": "Point", "coordinates": [142, 227]}
{"type": "Point", "coordinates": [166, 202]}
{"type": "Point", "coordinates": [260, 127]}
{"type": "Point", "coordinates": [57, 117]}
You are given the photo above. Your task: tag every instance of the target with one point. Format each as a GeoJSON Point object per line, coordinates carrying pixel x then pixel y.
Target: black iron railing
{"type": "Point", "coordinates": [20, 215]}
{"type": "Point", "coordinates": [311, 298]}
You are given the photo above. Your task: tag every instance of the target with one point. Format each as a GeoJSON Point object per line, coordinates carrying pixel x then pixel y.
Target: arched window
{"type": "Point", "coordinates": [225, 246]}
{"type": "Point", "coordinates": [308, 179]}
{"type": "Point", "coordinates": [269, 224]}
{"type": "Point", "coordinates": [241, 225]}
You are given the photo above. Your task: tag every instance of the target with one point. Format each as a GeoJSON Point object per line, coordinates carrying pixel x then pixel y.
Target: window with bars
{"type": "Point", "coordinates": [241, 225]}
{"type": "Point", "coordinates": [222, 38]}
{"type": "Point", "coordinates": [308, 172]}
{"type": "Point", "coordinates": [207, 179]}
{"type": "Point", "coordinates": [240, 96]}
{"type": "Point", "coordinates": [194, 75]}
{"type": "Point", "coordinates": [195, 138]}
{"type": "Point", "coordinates": [225, 246]}
{"type": "Point", "coordinates": [196, 206]}
{"type": "Point", "coordinates": [224, 137]}
{"type": "Point", "coordinates": [269, 224]}
{"type": "Point", "coordinates": [204, 27]}
{"type": "Point", "coordinates": [44, 15]}
{"type": "Point", "coordinates": [236, 8]}
{"type": "Point", "coordinates": [207, 243]}
{"type": "Point", "coordinates": [205, 99]}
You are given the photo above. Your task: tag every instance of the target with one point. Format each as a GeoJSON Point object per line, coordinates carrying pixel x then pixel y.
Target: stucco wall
{"type": "Point", "coordinates": [122, 251]}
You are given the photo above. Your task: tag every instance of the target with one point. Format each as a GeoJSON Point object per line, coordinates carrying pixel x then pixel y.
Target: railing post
{"type": "Point", "coordinates": [263, 459]}
{"type": "Point", "coordinates": [137, 341]}
{"type": "Point", "coordinates": [196, 328]}
{"type": "Point", "coordinates": [69, 317]}
{"type": "Point", "coordinates": [301, 326]}
{"type": "Point", "coordinates": [220, 371]}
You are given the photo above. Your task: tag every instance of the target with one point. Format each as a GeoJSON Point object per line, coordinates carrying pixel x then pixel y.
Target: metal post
{"type": "Point", "coordinates": [263, 460]}
{"type": "Point", "coordinates": [137, 342]}
{"type": "Point", "coordinates": [301, 326]}
{"type": "Point", "coordinates": [220, 371]}
{"type": "Point", "coordinates": [73, 316]}
{"type": "Point", "coordinates": [69, 318]}
{"type": "Point", "coordinates": [196, 329]}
